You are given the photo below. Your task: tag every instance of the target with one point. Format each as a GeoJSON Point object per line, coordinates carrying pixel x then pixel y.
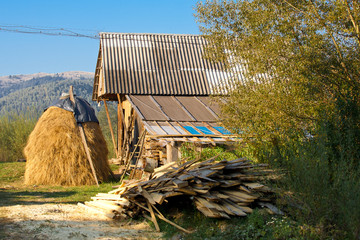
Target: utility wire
{"type": "Point", "coordinates": [54, 31]}
{"type": "Point", "coordinates": [45, 31]}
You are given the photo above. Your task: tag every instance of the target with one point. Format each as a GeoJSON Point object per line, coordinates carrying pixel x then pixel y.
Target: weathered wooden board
{"type": "Point", "coordinates": [219, 189]}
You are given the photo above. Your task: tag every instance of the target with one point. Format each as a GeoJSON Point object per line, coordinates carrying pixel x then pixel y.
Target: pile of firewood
{"type": "Point", "coordinates": [219, 190]}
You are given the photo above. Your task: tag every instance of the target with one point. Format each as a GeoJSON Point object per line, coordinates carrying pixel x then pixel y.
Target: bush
{"type": "Point", "coordinates": [322, 172]}
{"type": "Point", "coordinates": [14, 131]}
{"type": "Point", "coordinates": [258, 225]}
{"type": "Point", "coordinates": [191, 151]}
{"type": "Point", "coordinates": [261, 225]}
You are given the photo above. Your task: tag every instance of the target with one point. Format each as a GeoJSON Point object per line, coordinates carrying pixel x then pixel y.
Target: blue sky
{"type": "Point", "coordinates": [32, 53]}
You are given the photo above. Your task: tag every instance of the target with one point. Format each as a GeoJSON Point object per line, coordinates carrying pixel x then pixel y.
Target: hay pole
{"type": "Point", "coordinates": [83, 138]}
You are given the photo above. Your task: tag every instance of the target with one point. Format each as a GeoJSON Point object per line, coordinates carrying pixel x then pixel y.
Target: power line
{"type": "Point", "coordinates": [51, 31]}
{"type": "Point", "coordinates": [57, 31]}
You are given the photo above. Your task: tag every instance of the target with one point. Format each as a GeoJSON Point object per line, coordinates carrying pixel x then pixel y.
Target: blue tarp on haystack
{"type": "Point", "coordinates": [83, 112]}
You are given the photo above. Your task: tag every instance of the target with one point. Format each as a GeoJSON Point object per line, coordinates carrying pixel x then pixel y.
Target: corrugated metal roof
{"type": "Point", "coordinates": [157, 64]}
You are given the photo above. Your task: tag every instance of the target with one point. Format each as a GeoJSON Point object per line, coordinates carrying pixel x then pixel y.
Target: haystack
{"type": "Point", "coordinates": [56, 155]}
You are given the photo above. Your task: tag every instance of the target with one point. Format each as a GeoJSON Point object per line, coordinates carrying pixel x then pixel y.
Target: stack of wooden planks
{"type": "Point", "coordinates": [219, 189]}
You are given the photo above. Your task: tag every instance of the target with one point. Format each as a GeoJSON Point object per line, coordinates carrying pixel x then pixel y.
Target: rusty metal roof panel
{"type": "Point", "coordinates": [146, 108]}
{"type": "Point", "coordinates": [158, 64]}
{"type": "Point", "coordinates": [171, 108]}
{"type": "Point", "coordinates": [197, 109]}
{"type": "Point", "coordinates": [210, 103]}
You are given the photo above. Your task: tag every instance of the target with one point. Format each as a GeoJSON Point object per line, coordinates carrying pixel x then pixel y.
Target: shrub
{"type": "Point", "coordinates": [14, 131]}
{"type": "Point", "coordinates": [191, 151]}
{"type": "Point", "coordinates": [322, 172]}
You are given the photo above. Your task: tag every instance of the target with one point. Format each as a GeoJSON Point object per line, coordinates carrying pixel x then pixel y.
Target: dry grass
{"type": "Point", "coordinates": [55, 153]}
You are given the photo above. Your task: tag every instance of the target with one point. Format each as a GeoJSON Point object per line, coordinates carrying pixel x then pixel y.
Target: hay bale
{"type": "Point", "coordinates": [55, 153]}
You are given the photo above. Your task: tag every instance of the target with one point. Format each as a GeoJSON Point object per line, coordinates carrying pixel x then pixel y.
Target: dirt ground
{"type": "Point", "coordinates": [66, 221]}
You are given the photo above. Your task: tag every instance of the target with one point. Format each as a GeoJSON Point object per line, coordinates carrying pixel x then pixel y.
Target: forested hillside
{"type": "Point", "coordinates": [38, 92]}
{"type": "Point", "coordinates": [23, 99]}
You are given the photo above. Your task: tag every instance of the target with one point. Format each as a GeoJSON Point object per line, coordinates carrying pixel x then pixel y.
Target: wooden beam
{"type": "Point", "coordinates": [185, 130]}
{"type": "Point", "coordinates": [148, 127]}
{"type": "Point", "coordinates": [174, 129]}
{"type": "Point", "coordinates": [210, 139]}
{"type": "Point", "coordinates": [192, 135]}
{"type": "Point", "coordinates": [160, 127]}
{"type": "Point", "coordinates": [111, 129]}
{"type": "Point", "coordinates": [162, 217]}
{"type": "Point", "coordinates": [192, 140]}
{"type": "Point", "coordinates": [214, 130]}
{"type": "Point", "coordinates": [153, 218]}
{"type": "Point", "coordinates": [171, 152]}
{"type": "Point", "coordinates": [83, 139]}
{"type": "Point", "coordinates": [128, 118]}
{"type": "Point", "coordinates": [120, 124]}
{"type": "Point", "coordinates": [129, 127]}
{"type": "Point", "coordinates": [205, 140]}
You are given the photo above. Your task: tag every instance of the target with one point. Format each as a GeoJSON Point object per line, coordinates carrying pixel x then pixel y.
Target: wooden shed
{"type": "Point", "coordinates": [162, 85]}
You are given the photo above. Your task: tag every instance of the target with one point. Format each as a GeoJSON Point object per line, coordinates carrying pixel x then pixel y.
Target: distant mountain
{"type": "Point", "coordinates": [20, 93]}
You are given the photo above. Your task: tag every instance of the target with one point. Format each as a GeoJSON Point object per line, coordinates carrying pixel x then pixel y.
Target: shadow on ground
{"type": "Point", "coordinates": [10, 198]}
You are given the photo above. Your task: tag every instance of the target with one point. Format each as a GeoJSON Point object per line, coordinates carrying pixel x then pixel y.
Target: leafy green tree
{"type": "Point", "coordinates": [309, 50]}
{"type": "Point", "coordinates": [304, 115]}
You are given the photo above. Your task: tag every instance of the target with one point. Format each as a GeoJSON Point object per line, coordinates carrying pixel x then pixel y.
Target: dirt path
{"type": "Point", "coordinates": [66, 221]}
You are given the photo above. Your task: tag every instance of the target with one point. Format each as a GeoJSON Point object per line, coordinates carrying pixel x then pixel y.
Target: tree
{"type": "Point", "coordinates": [310, 51]}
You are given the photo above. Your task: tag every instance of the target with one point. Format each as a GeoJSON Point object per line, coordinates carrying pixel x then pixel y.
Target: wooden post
{"type": "Point", "coordinates": [171, 152]}
{"type": "Point", "coordinates": [111, 129]}
{"type": "Point", "coordinates": [120, 122]}
{"type": "Point", "coordinates": [83, 138]}
{"type": "Point", "coordinates": [128, 134]}
{"type": "Point", "coordinates": [127, 126]}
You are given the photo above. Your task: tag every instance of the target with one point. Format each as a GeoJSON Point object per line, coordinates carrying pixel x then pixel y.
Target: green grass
{"type": "Point", "coordinates": [190, 151]}
{"type": "Point", "coordinates": [114, 167]}
{"type": "Point", "coordinates": [13, 191]}
{"type": "Point", "coordinates": [11, 172]}
{"type": "Point", "coordinates": [258, 225]}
